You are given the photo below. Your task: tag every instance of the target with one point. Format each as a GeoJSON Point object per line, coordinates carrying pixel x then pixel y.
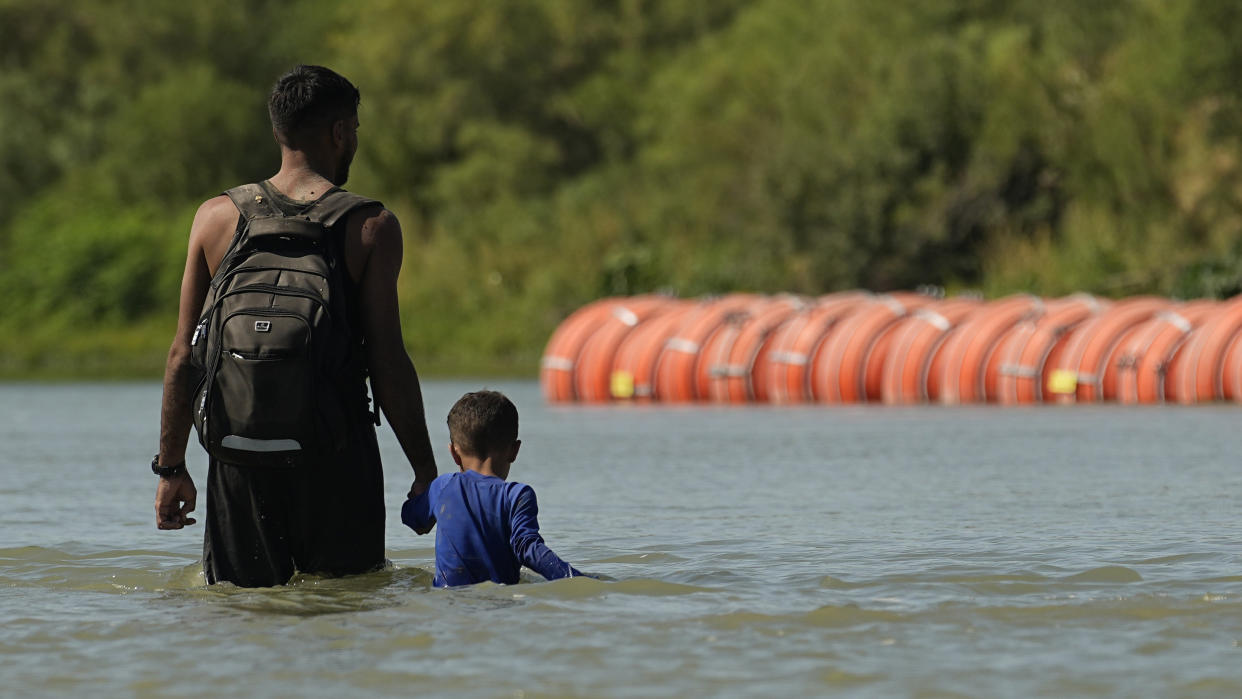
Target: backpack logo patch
{"type": "Point", "coordinates": [262, 326]}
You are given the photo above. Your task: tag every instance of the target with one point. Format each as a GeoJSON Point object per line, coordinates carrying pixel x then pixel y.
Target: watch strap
{"type": "Point", "coordinates": [166, 471]}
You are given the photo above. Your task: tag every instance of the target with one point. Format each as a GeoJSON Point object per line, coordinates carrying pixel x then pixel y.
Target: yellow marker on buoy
{"type": "Point", "coordinates": [621, 384]}
{"type": "Point", "coordinates": [1063, 381]}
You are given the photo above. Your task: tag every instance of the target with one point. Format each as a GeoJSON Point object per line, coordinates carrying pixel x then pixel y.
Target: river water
{"type": "Point", "coordinates": [751, 551]}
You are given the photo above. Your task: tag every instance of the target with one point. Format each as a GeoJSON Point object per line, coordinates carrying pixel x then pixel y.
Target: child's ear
{"type": "Point", "coordinates": [513, 451]}
{"type": "Point", "coordinates": [456, 454]}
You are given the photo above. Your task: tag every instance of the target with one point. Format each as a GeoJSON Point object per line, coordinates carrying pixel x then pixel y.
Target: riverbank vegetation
{"type": "Point", "coordinates": [544, 153]}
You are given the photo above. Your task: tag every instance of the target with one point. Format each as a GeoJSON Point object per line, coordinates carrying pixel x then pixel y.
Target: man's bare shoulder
{"type": "Point", "coordinates": [214, 216]}
{"type": "Point", "coordinates": [213, 228]}
{"type": "Point", "coordinates": [376, 227]}
{"type": "Point", "coordinates": [373, 233]}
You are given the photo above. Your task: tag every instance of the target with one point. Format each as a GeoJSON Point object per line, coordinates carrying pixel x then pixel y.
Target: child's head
{"type": "Point", "coordinates": [483, 425]}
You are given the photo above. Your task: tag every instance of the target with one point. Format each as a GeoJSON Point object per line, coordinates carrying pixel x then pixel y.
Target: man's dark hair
{"type": "Point", "coordinates": [307, 98]}
{"type": "Point", "coordinates": [481, 422]}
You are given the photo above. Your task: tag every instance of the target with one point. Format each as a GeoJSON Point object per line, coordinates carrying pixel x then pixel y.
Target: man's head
{"type": "Point", "coordinates": [315, 109]}
{"type": "Point", "coordinates": [484, 424]}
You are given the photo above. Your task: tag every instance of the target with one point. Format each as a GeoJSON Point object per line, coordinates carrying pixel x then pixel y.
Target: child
{"type": "Point", "coordinates": [488, 529]}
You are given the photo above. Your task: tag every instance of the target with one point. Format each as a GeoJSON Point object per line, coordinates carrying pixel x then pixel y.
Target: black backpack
{"type": "Point", "coordinates": [274, 342]}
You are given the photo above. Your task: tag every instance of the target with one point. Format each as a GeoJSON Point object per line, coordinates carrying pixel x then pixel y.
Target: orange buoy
{"type": "Point", "coordinates": [1195, 371]}
{"type": "Point", "coordinates": [675, 374]}
{"type": "Point", "coordinates": [736, 375]}
{"type": "Point", "coordinates": [789, 352]}
{"type": "Point", "coordinates": [1231, 371]}
{"type": "Point", "coordinates": [968, 373]}
{"type": "Point", "coordinates": [713, 358]}
{"type": "Point", "coordinates": [1143, 356]}
{"type": "Point", "coordinates": [1027, 347]}
{"type": "Point", "coordinates": [560, 356]}
{"type": "Point", "coordinates": [915, 338]}
{"type": "Point", "coordinates": [765, 330]}
{"type": "Point", "coordinates": [594, 367]}
{"type": "Point", "coordinates": [1076, 373]}
{"type": "Point", "coordinates": [896, 348]}
{"type": "Point", "coordinates": [838, 365]}
{"type": "Point", "coordinates": [877, 356]}
{"type": "Point", "coordinates": [634, 362]}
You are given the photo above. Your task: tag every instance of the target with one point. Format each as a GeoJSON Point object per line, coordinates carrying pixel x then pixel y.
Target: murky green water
{"type": "Point", "coordinates": [751, 552]}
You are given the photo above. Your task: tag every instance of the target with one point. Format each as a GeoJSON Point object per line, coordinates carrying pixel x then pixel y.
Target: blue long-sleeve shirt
{"type": "Point", "coordinates": [486, 529]}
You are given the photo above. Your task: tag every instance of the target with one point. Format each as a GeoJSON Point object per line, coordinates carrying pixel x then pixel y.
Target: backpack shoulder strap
{"type": "Point", "coordinates": [334, 207]}
{"type": "Point", "coordinates": [252, 202]}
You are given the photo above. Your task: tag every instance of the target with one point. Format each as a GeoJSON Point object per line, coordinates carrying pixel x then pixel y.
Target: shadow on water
{"type": "Point", "coordinates": [307, 594]}
{"type": "Point", "coordinates": [116, 571]}
{"type": "Point", "coordinates": [180, 577]}
{"type": "Point", "coordinates": [124, 572]}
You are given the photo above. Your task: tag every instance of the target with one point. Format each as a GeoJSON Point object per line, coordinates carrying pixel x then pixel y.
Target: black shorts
{"type": "Point", "coordinates": [326, 517]}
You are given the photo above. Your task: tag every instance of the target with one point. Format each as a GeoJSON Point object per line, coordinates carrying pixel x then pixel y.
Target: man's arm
{"type": "Point", "coordinates": [393, 377]}
{"type": "Point", "coordinates": [175, 497]}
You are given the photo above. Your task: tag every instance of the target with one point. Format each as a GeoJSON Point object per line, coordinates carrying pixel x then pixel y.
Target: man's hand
{"type": "Point", "coordinates": [418, 488]}
{"type": "Point", "coordinates": [174, 501]}
{"type": "Point", "coordinates": [416, 491]}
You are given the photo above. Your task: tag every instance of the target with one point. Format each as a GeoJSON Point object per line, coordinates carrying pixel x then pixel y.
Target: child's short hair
{"type": "Point", "coordinates": [483, 421]}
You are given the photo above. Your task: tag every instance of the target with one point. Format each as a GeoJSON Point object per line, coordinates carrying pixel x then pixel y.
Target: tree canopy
{"type": "Point", "coordinates": [543, 153]}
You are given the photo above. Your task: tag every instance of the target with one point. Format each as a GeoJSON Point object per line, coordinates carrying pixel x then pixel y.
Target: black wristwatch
{"type": "Point", "coordinates": [165, 471]}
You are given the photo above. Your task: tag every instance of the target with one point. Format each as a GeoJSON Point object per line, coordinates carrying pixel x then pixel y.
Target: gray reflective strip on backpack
{"type": "Point", "coordinates": [239, 443]}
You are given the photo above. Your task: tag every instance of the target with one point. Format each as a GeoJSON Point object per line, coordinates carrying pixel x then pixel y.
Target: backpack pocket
{"type": "Point", "coordinates": [260, 403]}
{"type": "Point", "coordinates": [198, 346]}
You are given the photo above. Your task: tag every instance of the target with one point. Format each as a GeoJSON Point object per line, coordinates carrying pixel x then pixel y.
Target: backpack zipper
{"type": "Point", "coordinates": [277, 291]}
{"type": "Point", "coordinates": [219, 280]}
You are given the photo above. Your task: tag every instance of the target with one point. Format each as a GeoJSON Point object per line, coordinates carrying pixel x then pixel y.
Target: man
{"type": "Point", "coordinates": [263, 524]}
